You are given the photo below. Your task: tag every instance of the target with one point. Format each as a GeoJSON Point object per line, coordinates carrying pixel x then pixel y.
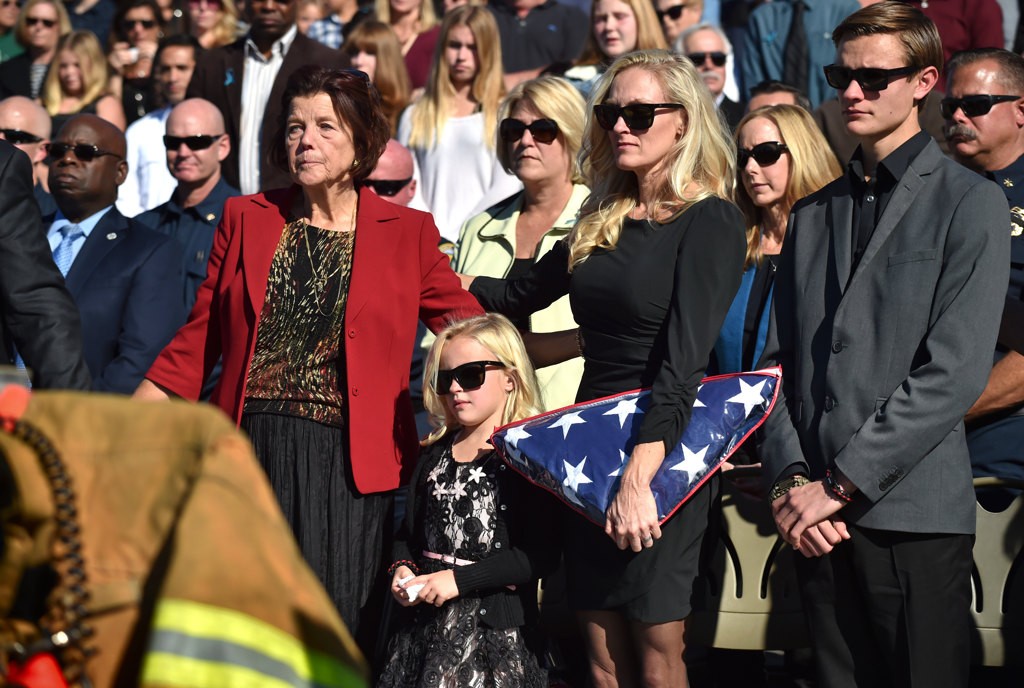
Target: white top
{"type": "Point", "coordinates": [149, 183]}
{"type": "Point", "coordinates": [460, 176]}
{"type": "Point", "coordinates": [258, 76]}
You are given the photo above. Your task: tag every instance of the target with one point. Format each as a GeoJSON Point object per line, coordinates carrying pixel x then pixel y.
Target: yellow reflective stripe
{"type": "Point", "coordinates": [172, 670]}
{"type": "Point", "coordinates": [207, 630]}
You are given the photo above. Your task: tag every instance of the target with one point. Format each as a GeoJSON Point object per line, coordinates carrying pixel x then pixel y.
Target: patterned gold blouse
{"type": "Point", "coordinates": [298, 366]}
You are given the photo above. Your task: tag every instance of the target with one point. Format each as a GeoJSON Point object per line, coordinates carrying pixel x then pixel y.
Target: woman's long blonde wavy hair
{"type": "Point", "coordinates": [431, 112]}
{"type": "Point", "coordinates": [812, 165]}
{"type": "Point", "coordinates": [86, 47]}
{"type": "Point", "coordinates": [702, 162]}
{"type": "Point", "coordinates": [497, 334]}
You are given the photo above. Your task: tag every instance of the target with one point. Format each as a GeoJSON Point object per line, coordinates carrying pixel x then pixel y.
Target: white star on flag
{"type": "Point", "coordinates": [622, 462]}
{"type": "Point", "coordinates": [692, 463]}
{"type": "Point", "coordinates": [476, 474]}
{"type": "Point", "coordinates": [513, 435]}
{"type": "Point", "coordinates": [626, 407]}
{"type": "Point", "coordinates": [749, 396]}
{"type": "Point", "coordinates": [574, 476]}
{"type": "Point", "coordinates": [697, 403]}
{"type": "Point", "coordinates": [567, 421]}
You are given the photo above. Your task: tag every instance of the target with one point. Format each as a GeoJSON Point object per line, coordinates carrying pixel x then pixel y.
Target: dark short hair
{"type": "Point", "coordinates": [127, 6]}
{"type": "Point", "coordinates": [357, 104]}
{"type": "Point", "coordinates": [915, 31]}
{"type": "Point", "coordinates": [179, 40]}
{"type": "Point", "coordinates": [774, 86]}
{"type": "Point", "coordinates": [1011, 65]}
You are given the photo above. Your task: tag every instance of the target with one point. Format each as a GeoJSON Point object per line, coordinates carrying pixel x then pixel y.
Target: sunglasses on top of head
{"type": "Point", "coordinates": [673, 12]}
{"type": "Point", "coordinates": [764, 154]}
{"type": "Point", "coordinates": [869, 78]}
{"type": "Point", "coordinates": [717, 58]}
{"type": "Point", "coordinates": [542, 130]}
{"type": "Point", "coordinates": [636, 115]}
{"type": "Point", "coordinates": [972, 106]}
{"type": "Point", "coordinates": [470, 376]}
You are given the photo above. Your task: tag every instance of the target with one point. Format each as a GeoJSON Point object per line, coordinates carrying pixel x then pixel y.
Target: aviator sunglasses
{"type": "Point", "coordinates": [469, 376]}
{"type": "Point", "coordinates": [764, 154]}
{"type": "Point", "coordinates": [636, 116]}
{"type": "Point", "coordinates": [869, 78]}
{"type": "Point", "coordinates": [387, 187]}
{"type": "Point", "coordinates": [542, 130]}
{"type": "Point", "coordinates": [86, 152]}
{"type": "Point", "coordinates": [195, 143]}
{"type": "Point", "coordinates": [973, 106]}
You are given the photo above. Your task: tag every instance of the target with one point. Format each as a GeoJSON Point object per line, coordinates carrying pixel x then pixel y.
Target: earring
{"type": "Point", "coordinates": [355, 163]}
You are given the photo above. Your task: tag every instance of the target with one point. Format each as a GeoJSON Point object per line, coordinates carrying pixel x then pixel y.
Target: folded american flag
{"type": "Point", "coordinates": [578, 452]}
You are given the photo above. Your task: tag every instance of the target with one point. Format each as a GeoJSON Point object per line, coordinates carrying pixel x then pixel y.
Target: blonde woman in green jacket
{"type": "Point", "coordinates": [539, 133]}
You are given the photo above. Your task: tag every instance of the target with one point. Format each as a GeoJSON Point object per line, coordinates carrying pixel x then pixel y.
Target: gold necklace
{"type": "Point", "coordinates": [319, 281]}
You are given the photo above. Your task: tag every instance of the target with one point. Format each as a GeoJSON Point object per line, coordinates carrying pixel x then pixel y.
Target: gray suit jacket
{"type": "Point", "coordinates": [879, 367]}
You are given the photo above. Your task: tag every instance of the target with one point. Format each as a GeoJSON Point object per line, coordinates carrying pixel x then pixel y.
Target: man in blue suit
{"type": "Point", "coordinates": [125, 279]}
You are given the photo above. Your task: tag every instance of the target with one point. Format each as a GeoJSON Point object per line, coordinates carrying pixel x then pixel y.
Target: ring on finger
{"type": "Point", "coordinates": [648, 540]}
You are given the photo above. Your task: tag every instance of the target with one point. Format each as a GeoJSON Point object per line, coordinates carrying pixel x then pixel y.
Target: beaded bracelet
{"type": "Point", "coordinates": [579, 343]}
{"type": "Point", "coordinates": [835, 487]}
{"type": "Point", "coordinates": [403, 562]}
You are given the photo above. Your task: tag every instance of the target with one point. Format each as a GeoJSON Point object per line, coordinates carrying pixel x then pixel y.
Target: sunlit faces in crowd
{"type": "Point", "coordinates": [642, 149]}
{"type": "Point", "coordinates": [984, 114]}
{"type": "Point", "coordinates": [537, 149]}
{"type": "Point", "coordinates": [460, 52]}
{"type": "Point", "coordinates": [764, 162]}
{"type": "Point", "coordinates": [173, 72]}
{"type": "Point", "coordinates": [614, 27]}
{"type": "Point", "coordinates": [677, 16]}
{"type": "Point", "coordinates": [319, 144]}
{"type": "Point", "coordinates": [709, 53]}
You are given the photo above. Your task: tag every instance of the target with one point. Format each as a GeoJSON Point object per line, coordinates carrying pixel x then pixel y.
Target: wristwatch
{"type": "Point", "coordinates": [785, 485]}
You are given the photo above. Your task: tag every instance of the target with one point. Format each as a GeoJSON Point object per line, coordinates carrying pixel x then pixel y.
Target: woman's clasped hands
{"type": "Point", "coordinates": [433, 588]}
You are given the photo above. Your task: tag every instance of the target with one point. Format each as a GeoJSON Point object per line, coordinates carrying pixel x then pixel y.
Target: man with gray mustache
{"type": "Point", "coordinates": [984, 114]}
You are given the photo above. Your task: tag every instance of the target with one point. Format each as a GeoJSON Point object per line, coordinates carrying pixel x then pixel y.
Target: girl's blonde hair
{"type": "Point", "coordinates": [812, 165]}
{"type": "Point", "coordinates": [21, 27]}
{"type": "Point", "coordinates": [553, 98]}
{"type": "Point", "coordinates": [432, 111]}
{"type": "Point", "coordinates": [497, 334]}
{"type": "Point", "coordinates": [427, 19]}
{"type": "Point", "coordinates": [390, 76]}
{"type": "Point", "coordinates": [702, 162]}
{"type": "Point", "coordinates": [649, 35]}
{"type": "Point", "coordinates": [86, 47]}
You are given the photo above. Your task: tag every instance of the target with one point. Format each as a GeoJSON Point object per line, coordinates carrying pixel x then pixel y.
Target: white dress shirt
{"type": "Point", "coordinates": [149, 183]}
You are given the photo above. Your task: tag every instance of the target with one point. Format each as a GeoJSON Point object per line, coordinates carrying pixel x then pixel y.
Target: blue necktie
{"type": "Point", "coordinates": [63, 254]}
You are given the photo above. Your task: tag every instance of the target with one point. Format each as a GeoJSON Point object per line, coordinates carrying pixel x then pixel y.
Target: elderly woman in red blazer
{"type": "Point", "coordinates": [311, 301]}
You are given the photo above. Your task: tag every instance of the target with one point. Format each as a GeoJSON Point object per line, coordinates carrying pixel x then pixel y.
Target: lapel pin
{"type": "Point", "coordinates": [210, 217]}
{"type": "Point", "coordinates": [229, 77]}
{"type": "Point", "coordinates": [1007, 182]}
{"type": "Point", "coordinates": [111, 236]}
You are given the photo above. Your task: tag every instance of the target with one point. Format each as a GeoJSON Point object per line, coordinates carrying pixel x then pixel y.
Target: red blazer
{"type": "Point", "coordinates": [398, 277]}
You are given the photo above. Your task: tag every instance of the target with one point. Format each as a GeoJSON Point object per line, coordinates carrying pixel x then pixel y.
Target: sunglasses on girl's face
{"type": "Point", "coordinates": [636, 116]}
{"type": "Point", "coordinates": [542, 130]}
{"type": "Point", "coordinates": [717, 58]}
{"type": "Point", "coordinates": [197, 142]}
{"type": "Point", "coordinates": [469, 376]}
{"type": "Point", "coordinates": [973, 106]}
{"type": "Point", "coordinates": [869, 78]}
{"type": "Point", "coordinates": [764, 154]}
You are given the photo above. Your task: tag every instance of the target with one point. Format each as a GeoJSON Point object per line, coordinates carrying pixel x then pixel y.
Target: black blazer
{"type": "Point", "coordinates": [218, 78]}
{"type": "Point", "coordinates": [36, 313]}
{"type": "Point", "coordinates": [732, 111]}
{"type": "Point", "coordinates": [14, 77]}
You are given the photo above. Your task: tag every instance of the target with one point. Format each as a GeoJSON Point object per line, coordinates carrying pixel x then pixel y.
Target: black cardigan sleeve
{"type": "Point", "coordinates": [546, 282]}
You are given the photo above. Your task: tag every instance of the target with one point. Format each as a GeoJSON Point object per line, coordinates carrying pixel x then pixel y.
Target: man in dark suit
{"type": "Point", "coordinates": [37, 316]}
{"type": "Point", "coordinates": [246, 79]}
{"type": "Point", "coordinates": [125, 279]}
{"type": "Point", "coordinates": [885, 314]}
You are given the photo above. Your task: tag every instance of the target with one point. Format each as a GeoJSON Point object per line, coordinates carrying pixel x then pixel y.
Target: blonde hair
{"type": "Point", "coordinates": [497, 334]}
{"type": "Point", "coordinates": [427, 18]}
{"type": "Point", "coordinates": [812, 165]}
{"type": "Point", "coordinates": [390, 76]}
{"type": "Point", "coordinates": [86, 47]}
{"type": "Point", "coordinates": [431, 112]}
{"type": "Point", "coordinates": [21, 27]}
{"type": "Point", "coordinates": [553, 98]}
{"type": "Point", "coordinates": [649, 35]}
{"type": "Point", "coordinates": [701, 163]}
{"type": "Point", "coordinates": [225, 31]}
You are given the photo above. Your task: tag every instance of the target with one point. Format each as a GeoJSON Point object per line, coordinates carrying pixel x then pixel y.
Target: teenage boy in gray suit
{"type": "Point", "coordinates": [885, 315]}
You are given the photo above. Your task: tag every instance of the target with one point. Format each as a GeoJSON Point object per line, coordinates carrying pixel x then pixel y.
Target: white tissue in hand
{"type": "Point", "coordinates": [413, 590]}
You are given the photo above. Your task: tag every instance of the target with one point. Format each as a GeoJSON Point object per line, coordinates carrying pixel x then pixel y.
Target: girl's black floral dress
{"type": "Point", "coordinates": [461, 513]}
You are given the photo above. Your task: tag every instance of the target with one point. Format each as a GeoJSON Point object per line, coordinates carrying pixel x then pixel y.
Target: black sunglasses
{"type": "Point", "coordinates": [542, 130]}
{"type": "Point", "coordinates": [387, 187]}
{"type": "Point", "coordinates": [17, 136]}
{"type": "Point", "coordinates": [673, 12]}
{"type": "Point", "coordinates": [869, 78]}
{"type": "Point", "coordinates": [86, 152]}
{"type": "Point", "coordinates": [636, 116]}
{"type": "Point", "coordinates": [48, 23]}
{"type": "Point", "coordinates": [717, 58]}
{"type": "Point", "coordinates": [196, 142]}
{"type": "Point", "coordinates": [764, 154]}
{"type": "Point", "coordinates": [973, 106]}
{"type": "Point", "coordinates": [127, 24]}
{"type": "Point", "coordinates": [469, 376]}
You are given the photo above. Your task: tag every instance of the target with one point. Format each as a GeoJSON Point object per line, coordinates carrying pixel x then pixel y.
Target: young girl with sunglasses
{"type": "Point", "coordinates": [476, 535]}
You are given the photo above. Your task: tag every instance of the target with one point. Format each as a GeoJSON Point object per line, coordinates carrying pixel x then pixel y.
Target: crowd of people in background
{"type": "Point", "coordinates": [266, 205]}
